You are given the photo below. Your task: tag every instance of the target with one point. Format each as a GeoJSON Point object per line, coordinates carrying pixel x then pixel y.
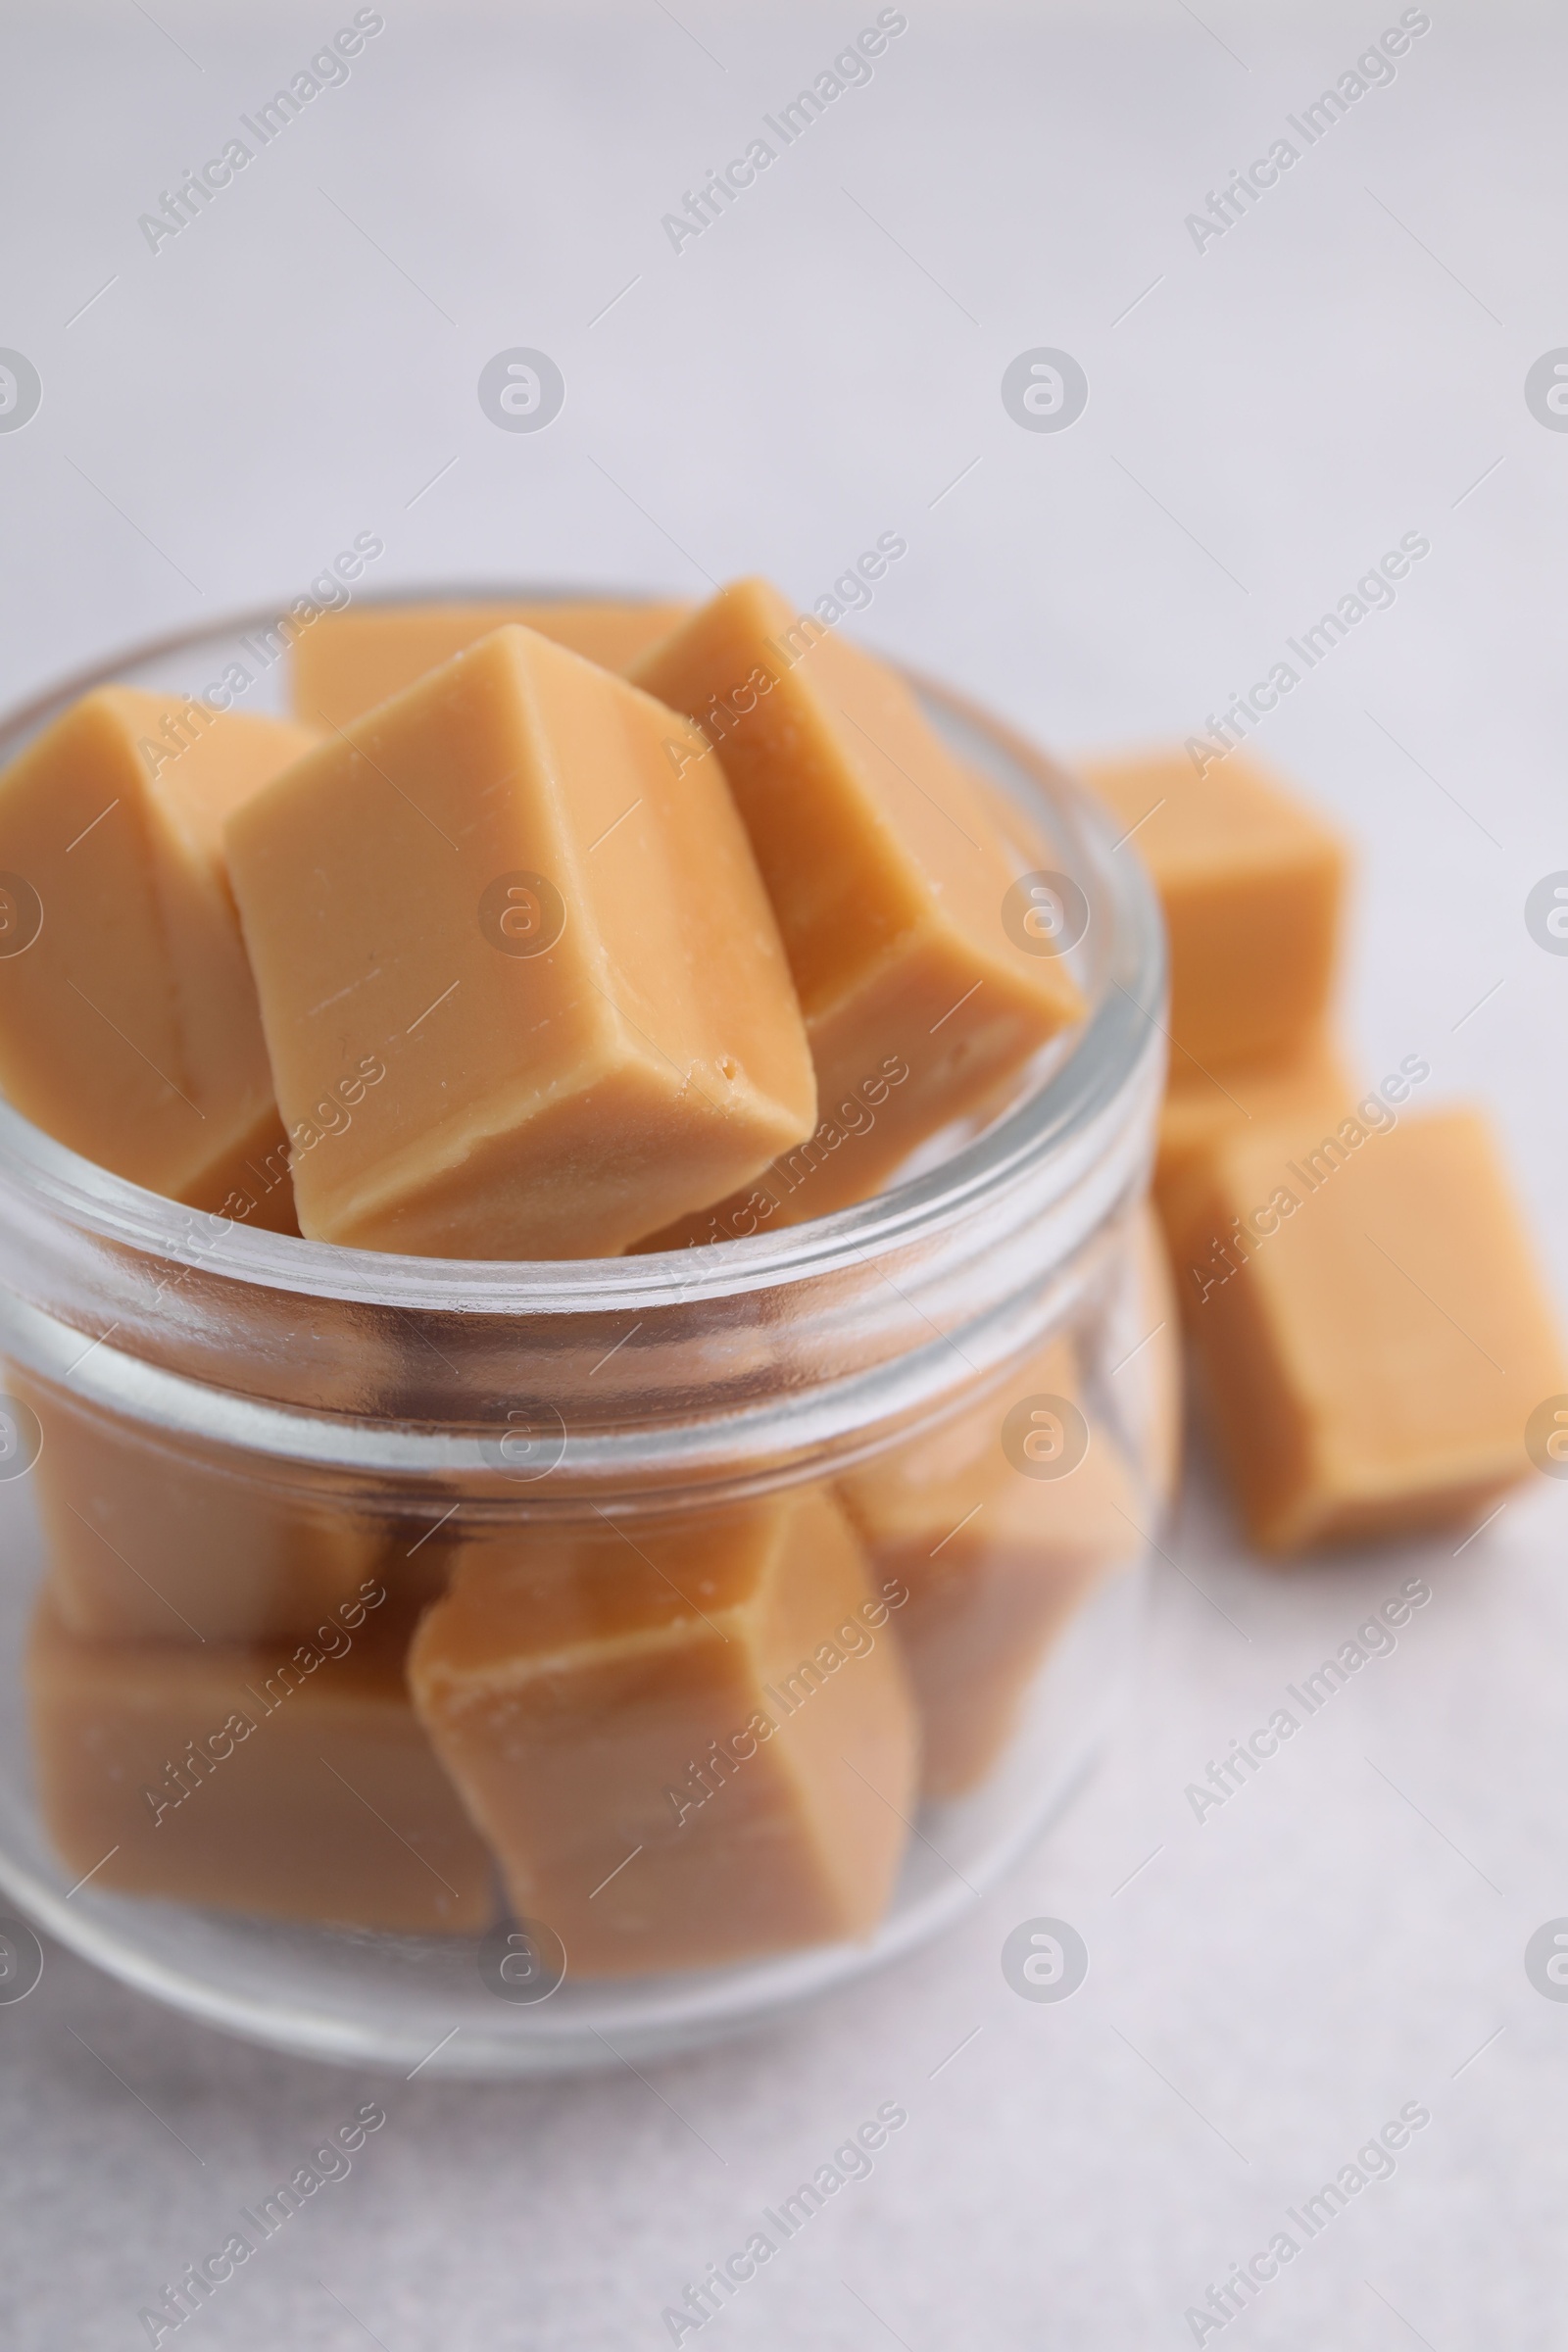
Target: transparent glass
{"type": "Point", "coordinates": [872, 1489]}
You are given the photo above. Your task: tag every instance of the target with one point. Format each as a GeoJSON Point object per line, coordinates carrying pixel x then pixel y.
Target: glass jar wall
{"type": "Point", "coordinates": [545, 1661]}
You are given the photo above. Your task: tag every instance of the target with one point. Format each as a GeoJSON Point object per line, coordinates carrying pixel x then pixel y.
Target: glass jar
{"type": "Point", "coordinates": [753, 1605]}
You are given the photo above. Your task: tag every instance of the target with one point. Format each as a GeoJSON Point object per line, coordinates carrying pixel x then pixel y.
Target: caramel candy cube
{"type": "Point", "coordinates": [1369, 1326]}
{"type": "Point", "coordinates": [346, 663]}
{"type": "Point", "coordinates": [991, 1558]}
{"type": "Point", "coordinates": [1251, 884]}
{"type": "Point", "coordinates": [294, 1784]}
{"type": "Point", "coordinates": [128, 1023]}
{"type": "Point", "coordinates": [165, 1542]}
{"type": "Point", "coordinates": [687, 1745]}
{"type": "Point", "coordinates": [1307, 1090]}
{"type": "Point", "coordinates": [892, 882]}
{"type": "Point", "coordinates": [522, 992]}
{"type": "Point", "coordinates": [1202, 1109]}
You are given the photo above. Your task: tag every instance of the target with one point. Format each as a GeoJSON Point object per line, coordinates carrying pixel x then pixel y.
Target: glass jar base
{"type": "Point", "coordinates": [421, 2004]}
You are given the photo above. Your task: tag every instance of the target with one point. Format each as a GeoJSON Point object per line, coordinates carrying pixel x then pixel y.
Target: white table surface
{"type": "Point", "coordinates": [1342, 367]}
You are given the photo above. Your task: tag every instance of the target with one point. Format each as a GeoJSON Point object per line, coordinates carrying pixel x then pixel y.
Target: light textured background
{"type": "Point", "coordinates": [1344, 366]}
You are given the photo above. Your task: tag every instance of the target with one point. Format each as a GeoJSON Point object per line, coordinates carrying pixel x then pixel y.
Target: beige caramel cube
{"type": "Point", "coordinates": [536, 965]}
{"type": "Point", "coordinates": [988, 1558]}
{"type": "Point", "coordinates": [688, 1743]}
{"type": "Point", "coordinates": [294, 1782]}
{"type": "Point", "coordinates": [1369, 1326]}
{"type": "Point", "coordinates": [891, 880]}
{"type": "Point", "coordinates": [1204, 1109]}
{"type": "Point", "coordinates": [346, 663]}
{"type": "Point", "coordinates": [1253, 886]}
{"type": "Point", "coordinates": [1309, 1090]}
{"type": "Point", "coordinates": [129, 1020]}
{"type": "Point", "coordinates": [167, 1542]}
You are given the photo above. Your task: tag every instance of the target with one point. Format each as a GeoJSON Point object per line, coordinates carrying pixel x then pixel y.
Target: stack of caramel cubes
{"type": "Point", "coordinates": [1369, 1326]}
{"type": "Point", "coordinates": [537, 933]}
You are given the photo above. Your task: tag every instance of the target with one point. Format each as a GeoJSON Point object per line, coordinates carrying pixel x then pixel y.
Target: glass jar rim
{"type": "Point", "coordinates": [1113, 1039]}
{"type": "Point", "coordinates": [1094, 1108]}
